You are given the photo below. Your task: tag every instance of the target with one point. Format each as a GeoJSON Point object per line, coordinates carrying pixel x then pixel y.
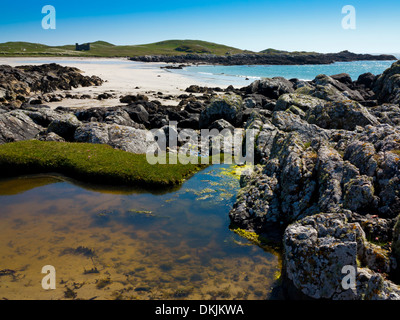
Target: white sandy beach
{"type": "Point", "coordinates": [122, 77]}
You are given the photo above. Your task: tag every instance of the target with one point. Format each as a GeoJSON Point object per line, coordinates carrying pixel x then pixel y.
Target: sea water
{"type": "Point", "coordinates": [245, 74]}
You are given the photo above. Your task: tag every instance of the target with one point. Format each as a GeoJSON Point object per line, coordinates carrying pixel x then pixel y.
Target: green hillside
{"type": "Point", "coordinates": [271, 51]}
{"type": "Point", "coordinates": [105, 49]}
{"type": "Point", "coordinates": [33, 49]}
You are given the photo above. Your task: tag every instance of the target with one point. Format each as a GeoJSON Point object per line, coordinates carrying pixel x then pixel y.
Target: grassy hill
{"type": "Point", "coordinates": [271, 51]}
{"type": "Point", "coordinates": [105, 49]}
{"type": "Point", "coordinates": [32, 49]}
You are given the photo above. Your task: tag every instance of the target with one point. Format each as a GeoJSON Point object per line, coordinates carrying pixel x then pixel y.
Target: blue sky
{"type": "Point", "coordinates": [253, 24]}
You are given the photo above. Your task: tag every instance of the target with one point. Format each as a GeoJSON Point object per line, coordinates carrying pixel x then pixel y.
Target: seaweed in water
{"type": "Point", "coordinates": [87, 252]}
{"type": "Point", "coordinates": [15, 276]}
{"type": "Point", "coordinates": [141, 212]}
{"type": "Point", "coordinates": [105, 216]}
{"type": "Point", "coordinates": [182, 292]}
{"type": "Point", "coordinates": [103, 283]}
{"type": "Point", "coordinates": [69, 293]}
{"type": "Point", "coordinates": [93, 270]}
{"type": "Point", "coordinates": [7, 272]}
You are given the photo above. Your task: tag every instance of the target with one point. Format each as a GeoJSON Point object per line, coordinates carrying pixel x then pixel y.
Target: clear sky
{"type": "Point", "coordinates": [253, 24]}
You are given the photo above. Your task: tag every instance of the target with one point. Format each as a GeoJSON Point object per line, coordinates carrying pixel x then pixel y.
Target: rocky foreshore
{"type": "Point", "coordinates": [327, 163]}
{"type": "Point", "coordinates": [264, 59]}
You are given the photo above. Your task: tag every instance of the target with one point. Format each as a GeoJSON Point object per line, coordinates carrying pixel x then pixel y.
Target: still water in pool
{"type": "Point", "coordinates": [126, 244]}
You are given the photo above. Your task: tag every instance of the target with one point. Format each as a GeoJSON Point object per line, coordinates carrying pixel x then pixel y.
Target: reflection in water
{"type": "Point", "coordinates": [120, 244]}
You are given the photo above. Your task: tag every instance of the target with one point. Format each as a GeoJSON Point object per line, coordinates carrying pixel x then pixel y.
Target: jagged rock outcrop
{"type": "Point", "coordinates": [317, 248]}
{"type": "Point", "coordinates": [345, 115]}
{"type": "Point", "coordinates": [387, 86]}
{"type": "Point", "coordinates": [326, 149]}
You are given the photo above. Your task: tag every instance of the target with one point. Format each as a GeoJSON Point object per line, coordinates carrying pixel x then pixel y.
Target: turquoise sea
{"type": "Point", "coordinates": [244, 75]}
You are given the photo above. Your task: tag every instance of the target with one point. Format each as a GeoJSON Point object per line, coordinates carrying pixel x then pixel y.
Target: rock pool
{"type": "Point", "coordinates": [108, 243]}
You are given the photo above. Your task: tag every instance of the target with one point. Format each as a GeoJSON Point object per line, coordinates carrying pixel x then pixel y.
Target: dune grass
{"type": "Point", "coordinates": [90, 163]}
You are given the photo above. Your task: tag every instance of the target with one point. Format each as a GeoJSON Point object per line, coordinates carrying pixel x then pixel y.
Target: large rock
{"type": "Point", "coordinates": [283, 190]}
{"type": "Point", "coordinates": [297, 103]}
{"type": "Point", "coordinates": [271, 88]}
{"type": "Point", "coordinates": [343, 78]}
{"type": "Point", "coordinates": [221, 124]}
{"type": "Point", "coordinates": [307, 169]}
{"type": "Point", "coordinates": [17, 126]}
{"type": "Point", "coordinates": [14, 82]}
{"type": "Point", "coordinates": [119, 137]}
{"type": "Point", "coordinates": [329, 89]}
{"type": "Point", "coordinates": [94, 114]}
{"type": "Point", "coordinates": [345, 115]}
{"type": "Point", "coordinates": [121, 117]}
{"type": "Point", "coordinates": [317, 248]}
{"type": "Point", "coordinates": [43, 116]}
{"type": "Point", "coordinates": [138, 114]}
{"type": "Point", "coordinates": [375, 152]}
{"type": "Point", "coordinates": [366, 80]}
{"type": "Point", "coordinates": [290, 122]}
{"type": "Point", "coordinates": [255, 100]}
{"type": "Point", "coordinates": [387, 86]}
{"type": "Point", "coordinates": [338, 84]}
{"type": "Point", "coordinates": [228, 107]}
{"type": "Point", "coordinates": [130, 99]}
{"type": "Point", "coordinates": [65, 126]}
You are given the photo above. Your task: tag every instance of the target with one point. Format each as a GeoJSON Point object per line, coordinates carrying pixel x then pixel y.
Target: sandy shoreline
{"type": "Point", "coordinates": [121, 76]}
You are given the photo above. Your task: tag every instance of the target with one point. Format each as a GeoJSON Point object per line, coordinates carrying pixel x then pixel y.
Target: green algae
{"type": "Point", "coordinates": [91, 162]}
